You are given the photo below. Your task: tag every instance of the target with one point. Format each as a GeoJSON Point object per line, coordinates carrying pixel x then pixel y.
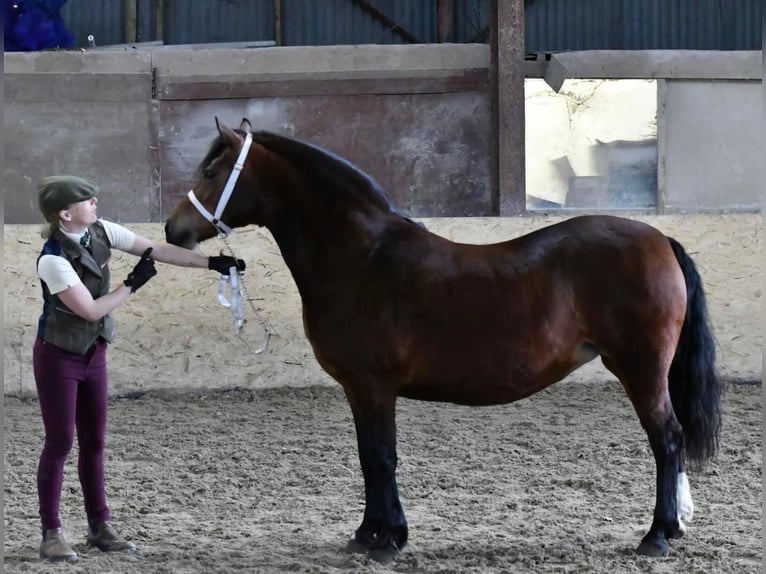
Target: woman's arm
{"type": "Point", "coordinates": [168, 253]}
{"type": "Point", "coordinates": [79, 300]}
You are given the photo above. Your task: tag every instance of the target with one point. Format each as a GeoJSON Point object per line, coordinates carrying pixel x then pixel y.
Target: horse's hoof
{"type": "Point", "coordinates": [679, 532]}
{"type": "Point", "coordinates": [383, 556]}
{"type": "Point", "coordinates": [655, 548]}
{"type": "Point", "coordinates": [355, 547]}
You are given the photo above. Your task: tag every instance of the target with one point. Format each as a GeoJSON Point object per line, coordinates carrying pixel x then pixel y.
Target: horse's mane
{"type": "Point", "coordinates": [320, 162]}
{"type": "Point", "coordinates": [316, 162]}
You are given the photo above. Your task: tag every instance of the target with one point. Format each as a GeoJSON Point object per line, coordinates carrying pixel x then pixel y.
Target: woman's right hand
{"type": "Point", "coordinates": [142, 272]}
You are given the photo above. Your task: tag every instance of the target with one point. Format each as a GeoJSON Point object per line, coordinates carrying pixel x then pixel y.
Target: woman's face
{"type": "Point", "coordinates": [82, 213]}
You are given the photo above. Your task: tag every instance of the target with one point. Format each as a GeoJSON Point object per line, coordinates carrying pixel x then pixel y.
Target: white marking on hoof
{"type": "Point", "coordinates": [684, 498]}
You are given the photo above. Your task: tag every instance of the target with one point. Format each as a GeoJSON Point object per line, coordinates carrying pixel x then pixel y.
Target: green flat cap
{"type": "Point", "coordinates": [59, 191]}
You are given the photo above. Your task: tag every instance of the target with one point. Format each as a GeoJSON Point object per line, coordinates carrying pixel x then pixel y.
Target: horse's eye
{"type": "Point", "coordinates": [208, 173]}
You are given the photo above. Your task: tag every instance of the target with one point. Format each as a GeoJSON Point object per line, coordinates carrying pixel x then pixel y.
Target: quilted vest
{"type": "Point", "coordinates": [59, 325]}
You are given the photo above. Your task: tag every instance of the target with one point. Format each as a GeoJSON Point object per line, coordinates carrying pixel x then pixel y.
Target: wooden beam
{"type": "Point", "coordinates": [175, 88]}
{"type": "Point", "coordinates": [392, 25]}
{"type": "Point", "coordinates": [131, 17]}
{"type": "Point", "coordinates": [445, 10]}
{"type": "Point", "coordinates": [507, 79]}
{"type": "Point", "coordinates": [278, 22]}
{"type": "Point", "coordinates": [159, 31]}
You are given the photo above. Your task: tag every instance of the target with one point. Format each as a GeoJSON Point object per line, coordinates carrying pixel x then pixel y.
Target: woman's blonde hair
{"type": "Point", "coordinates": [53, 225]}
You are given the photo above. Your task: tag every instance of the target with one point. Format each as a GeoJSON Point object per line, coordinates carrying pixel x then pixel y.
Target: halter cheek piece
{"type": "Point", "coordinates": [235, 301]}
{"type": "Point", "coordinates": [215, 219]}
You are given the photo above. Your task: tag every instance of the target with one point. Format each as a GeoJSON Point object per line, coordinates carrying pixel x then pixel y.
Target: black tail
{"type": "Point", "coordinates": [695, 387]}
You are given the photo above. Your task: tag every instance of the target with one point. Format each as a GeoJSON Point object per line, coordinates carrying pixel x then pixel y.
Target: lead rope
{"type": "Point", "coordinates": [238, 289]}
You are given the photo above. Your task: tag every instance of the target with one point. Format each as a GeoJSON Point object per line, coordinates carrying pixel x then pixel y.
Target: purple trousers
{"type": "Point", "coordinates": [72, 391]}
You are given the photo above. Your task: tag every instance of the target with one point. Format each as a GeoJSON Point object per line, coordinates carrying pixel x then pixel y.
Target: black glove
{"type": "Point", "coordinates": [142, 272]}
{"type": "Point", "coordinates": [222, 263]}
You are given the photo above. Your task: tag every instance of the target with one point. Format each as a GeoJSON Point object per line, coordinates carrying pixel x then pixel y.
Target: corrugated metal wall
{"type": "Point", "coordinates": [551, 25]}
{"type": "Point", "coordinates": [311, 23]}
{"type": "Point", "coordinates": [561, 25]}
{"type": "Point", "coordinates": [104, 19]}
{"type": "Point", "coordinates": [195, 22]}
{"type": "Point", "coordinates": [472, 21]}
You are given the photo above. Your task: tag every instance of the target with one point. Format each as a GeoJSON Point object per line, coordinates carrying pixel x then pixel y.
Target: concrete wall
{"type": "Point", "coordinates": [415, 117]}
{"type": "Point", "coordinates": [173, 334]}
{"type": "Point", "coordinates": [418, 118]}
{"type": "Point", "coordinates": [85, 113]}
{"type": "Point", "coordinates": [693, 134]}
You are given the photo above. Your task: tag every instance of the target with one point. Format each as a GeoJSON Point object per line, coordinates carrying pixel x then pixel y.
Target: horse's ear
{"type": "Point", "coordinates": [245, 126]}
{"type": "Point", "coordinates": [228, 135]}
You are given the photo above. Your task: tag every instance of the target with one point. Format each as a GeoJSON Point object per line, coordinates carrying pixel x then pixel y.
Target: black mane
{"type": "Point", "coordinates": [319, 162]}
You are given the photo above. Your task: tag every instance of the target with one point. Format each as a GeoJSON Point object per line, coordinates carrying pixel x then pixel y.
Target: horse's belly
{"type": "Point", "coordinates": [492, 382]}
{"type": "Point", "coordinates": [475, 392]}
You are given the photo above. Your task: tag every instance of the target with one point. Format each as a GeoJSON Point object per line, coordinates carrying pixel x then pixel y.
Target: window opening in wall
{"type": "Point", "coordinates": [592, 145]}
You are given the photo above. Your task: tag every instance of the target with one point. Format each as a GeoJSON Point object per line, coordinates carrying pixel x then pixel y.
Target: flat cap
{"type": "Point", "coordinates": [59, 191]}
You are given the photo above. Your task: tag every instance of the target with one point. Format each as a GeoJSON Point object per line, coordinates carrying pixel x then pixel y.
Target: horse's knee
{"type": "Point", "coordinates": [378, 460]}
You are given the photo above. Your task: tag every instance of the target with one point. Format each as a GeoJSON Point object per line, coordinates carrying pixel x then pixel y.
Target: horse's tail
{"type": "Point", "coordinates": [695, 388]}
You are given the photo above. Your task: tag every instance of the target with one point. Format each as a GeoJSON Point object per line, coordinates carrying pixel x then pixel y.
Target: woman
{"type": "Point", "coordinates": [70, 350]}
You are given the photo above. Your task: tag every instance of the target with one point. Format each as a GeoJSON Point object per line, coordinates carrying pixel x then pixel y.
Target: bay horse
{"type": "Point", "coordinates": [393, 310]}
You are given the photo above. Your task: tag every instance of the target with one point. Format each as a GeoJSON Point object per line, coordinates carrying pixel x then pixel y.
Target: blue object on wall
{"type": "Point", "coordinates": [31, 25]}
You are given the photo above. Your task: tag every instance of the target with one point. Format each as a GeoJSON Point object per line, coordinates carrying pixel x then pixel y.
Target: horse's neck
{"type": "Point", "coordinates": [320, 242]}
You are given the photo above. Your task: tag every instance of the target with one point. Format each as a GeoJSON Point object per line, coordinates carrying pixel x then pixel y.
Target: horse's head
{"type": "Point", "coordinates": [274, 184]}
{"type": "Point", "coordinates": [214, 205]}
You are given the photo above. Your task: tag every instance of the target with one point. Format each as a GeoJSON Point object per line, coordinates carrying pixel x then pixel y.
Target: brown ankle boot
{"type": "Point", "coordinates": [55, 548]}
{"type": "Point", "coordinates": [104, 537]}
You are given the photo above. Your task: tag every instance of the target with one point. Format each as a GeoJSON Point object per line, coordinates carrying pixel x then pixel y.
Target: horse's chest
{"type": "Point", "coordinates": [346, 345]}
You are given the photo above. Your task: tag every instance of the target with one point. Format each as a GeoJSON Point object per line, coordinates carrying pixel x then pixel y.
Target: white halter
{"type": "Point", "coordinates": [215, 219]}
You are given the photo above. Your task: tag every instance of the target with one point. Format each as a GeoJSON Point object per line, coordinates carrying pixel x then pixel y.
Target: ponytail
{"type": "Point", "coordinates": [53, 225]}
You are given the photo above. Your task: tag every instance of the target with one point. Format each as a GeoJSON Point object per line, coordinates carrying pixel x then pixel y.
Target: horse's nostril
{"type": "Point", "coordinates": [170, 233]}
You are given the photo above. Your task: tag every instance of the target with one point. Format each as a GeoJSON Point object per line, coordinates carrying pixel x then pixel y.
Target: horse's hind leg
{"type": "Point", "coordinates": [383, 531]}
{"type": "Point", "coordinates": [665, 439]}
{"type": "Point", "coordinates": [651, 399]}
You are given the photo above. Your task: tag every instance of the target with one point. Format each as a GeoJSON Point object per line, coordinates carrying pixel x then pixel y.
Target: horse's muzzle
{"type": "Point", "coordinates": [181, 237]}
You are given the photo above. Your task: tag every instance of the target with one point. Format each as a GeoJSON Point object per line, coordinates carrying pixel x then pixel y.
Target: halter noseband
{"type": "Point", "coordinates": [215, 219]}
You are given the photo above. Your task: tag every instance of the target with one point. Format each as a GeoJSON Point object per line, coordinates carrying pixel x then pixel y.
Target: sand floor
{"type": "Point", "coordinates": [269, 480]}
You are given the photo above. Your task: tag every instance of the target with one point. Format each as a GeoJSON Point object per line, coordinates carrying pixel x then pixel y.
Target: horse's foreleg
{"type": "Point", "coordinates": [383, 531]}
